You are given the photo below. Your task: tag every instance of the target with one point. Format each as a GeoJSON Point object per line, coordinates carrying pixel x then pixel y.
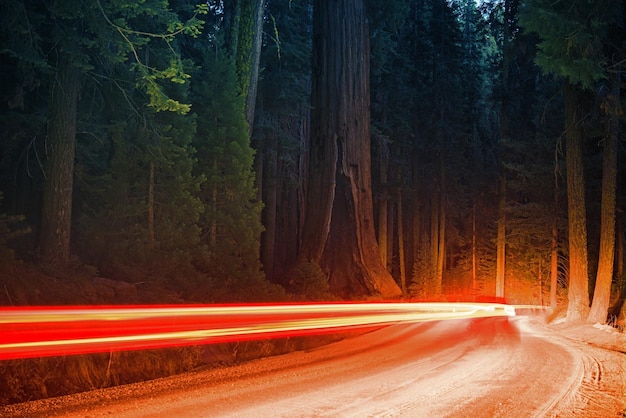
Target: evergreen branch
{"type": "Point", "coordinates": [182, 27]}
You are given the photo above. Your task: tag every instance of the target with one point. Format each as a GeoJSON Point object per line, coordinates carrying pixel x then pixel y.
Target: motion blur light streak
{"type": "Point", "coordinates": [54, 331]}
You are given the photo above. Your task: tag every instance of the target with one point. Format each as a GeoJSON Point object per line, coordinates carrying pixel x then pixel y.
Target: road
{"type": "Point", "coordinates": [482, 367]}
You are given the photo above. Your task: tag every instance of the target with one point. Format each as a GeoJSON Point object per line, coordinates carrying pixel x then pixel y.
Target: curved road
{"type": "Point", "coordinates": [485, 367]}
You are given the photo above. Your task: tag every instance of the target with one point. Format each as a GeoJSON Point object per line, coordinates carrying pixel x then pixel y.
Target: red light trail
{"type": "Point", "coordinates": [54, 331]}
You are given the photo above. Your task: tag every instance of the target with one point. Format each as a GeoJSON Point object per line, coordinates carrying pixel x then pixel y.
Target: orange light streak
{"type": "Point", "coordinates": [53, 331]}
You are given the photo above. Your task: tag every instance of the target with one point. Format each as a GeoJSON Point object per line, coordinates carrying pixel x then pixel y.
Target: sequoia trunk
{"type": "Point", "coordinates": [339, 228]}
{"type": "Point", "coordinates": [604, 276]}
{"type": "Point", "coordinates": [578, 294]}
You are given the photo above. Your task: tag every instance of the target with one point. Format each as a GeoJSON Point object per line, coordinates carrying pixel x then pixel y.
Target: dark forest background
{"type": "Point", "coordinates": [166, 146]}
{"type": "Point", "coordinates": [175, 151]}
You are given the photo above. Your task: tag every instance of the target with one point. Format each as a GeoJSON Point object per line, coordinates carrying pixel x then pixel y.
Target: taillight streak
{"type": "Point", "coordinates": [53, 331]}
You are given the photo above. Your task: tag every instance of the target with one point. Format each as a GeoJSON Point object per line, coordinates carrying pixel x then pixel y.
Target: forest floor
{"type": "Point", "coordinates": [596, 335]}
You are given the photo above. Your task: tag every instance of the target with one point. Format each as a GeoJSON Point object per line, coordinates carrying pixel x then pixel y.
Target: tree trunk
{"type": "Point", "coordinates": [554, 246]}
{"type": "Point", "coordinates": [401, 259]}
{"type": "Point", "coordinates": [474, 253]}
{"type": "Point", "coordinates": [441, 222]}
{"type": "Point", "coordinates": [504, 137]}
{"type": "Point", "coordinates": [434, 244]}
{"type": "Point", "coordinates": [253, 60]}
{"type": "Point", "coordinates": [56, 219]}
{"type": "Point", "coordinates": [619, 254]}
{"type": "Point", "coordinates": [441, 246]}
{"type": "Point", "coordinates": [621, 277]}
{"type": "Point", "coordinates": [214, 210]}
{"type": "Point", "coordinates": [501, 238]}
{"type": "Point", "coordinates": [554, 264]}
{"type": "Point", "coordinates": [578, 293]}
{"type": "Point", "coordinates": [604, 276]}
{"type": "Point", "coordinates": [339, 229]}
{"type": "Point", "coordinates": [417, 234]}
{"type": "Point", "coordinates": [243, 23]}
{"type": "Point", "coordinates": [270, 192]}
{"type": "Point", "coordinates": [382, 208]}
{"type": "Point", "coordinates": [391, 221]}
{"type": "Point", "coordinates": [151, 207]}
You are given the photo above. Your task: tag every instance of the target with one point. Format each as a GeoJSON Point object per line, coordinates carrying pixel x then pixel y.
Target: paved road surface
{"type": "Point", "coordinates": [485, 367]}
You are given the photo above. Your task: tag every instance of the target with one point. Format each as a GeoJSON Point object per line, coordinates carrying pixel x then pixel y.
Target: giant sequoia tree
{"type": "Point", "coordinates": [338, 233]}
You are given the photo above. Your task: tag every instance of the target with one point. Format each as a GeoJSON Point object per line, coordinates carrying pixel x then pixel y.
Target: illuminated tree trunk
{"type": "Point", "coordinates": [504, 136]}
{"type": "Point", "coordinates": [554, 250]}
{"type": "Point", "coordinates": [619, 254]}
{"type": "Point", "coordinates": [391, 221]}
{"type": "Point", "coordinates": [441, 246]}
{"type": "Point", "coordinates": [604, 276]}
{"type": "Point", "coordinates": [621, 277]}
{"type": "Point", "coordinates": [501, 238]}
{"type": "Point", "coordinates": [56, 220]}
{"type": "Point", "coordinates": [474, 253]}
{"type": "Point", "coordinates": [401, 259]}
{"type": "Point", "coordinates": [338, 230]}
{"type": "Point", "coordinates": [441, 221]}
{"type": "Point", "coordinates": [434, 245]}
{"type": "Point", "coordinates": [578, 294]}
{"type": "Point", "coordinates": [382, 208]}
{"type": "Point", "coordinates": [417, 230]}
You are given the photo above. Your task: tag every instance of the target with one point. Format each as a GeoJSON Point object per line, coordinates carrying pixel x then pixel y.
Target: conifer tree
{"type": "Point", "coordinates": [571, 46]}
{"type": "Point", "coordinates": [230, 222]}
{"type": "Point", "coordinates": [280, 131]}
{"type": "Point", "coordinates": [338, 233]}
{"type": "Point", "coordinates": [69, 43]}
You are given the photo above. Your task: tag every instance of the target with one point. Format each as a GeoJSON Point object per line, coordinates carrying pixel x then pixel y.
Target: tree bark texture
{"type": "Point", "coordinates": [474, 252]}
{"type": "Point", "coordinates": [151, 207]}
{"type": "Point", "coordinates": [270, 200]}
{"type": "Point", "coordinates": [504, 138]}
{"type": "Point", "coordinates": [401, 258]}
{"type": "Point", "coordinates": [255, 32]}
{"type": "Point", "coordinates": [619, 254]}
{"type": "Point", "coordinates": [56, 219]}
{"type": "Point", "coordinates": [501, 238]}
{"type": "Point", "coordinates": [243, 20]}
{"type": "Point", "coordinates": [554, 246]}
{"type": "Point", "coordinates": [431, 288]}
{"type": "Point", "coordinates": [578, 293]}
{"type": "Point", "coordinates": [338, 228]}
{"type": "Point", "coordinates": [382, 207]}
{"type": "Point", "coordinates": [554, 264]}
{"type": "Point", "coordinates": [604, 276]}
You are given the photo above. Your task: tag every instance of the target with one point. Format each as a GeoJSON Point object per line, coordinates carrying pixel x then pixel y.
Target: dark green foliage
{"type": "Point", "coordinates": [143, 203]}
{"type": "Point", "coordinates": [286, 58]}
{"type": "Point", "coordinates": [115, 211]}
{"type": "Point", "coordinates": [10, 229]}
{"type": "Point", "coordinates": [309, 282]}
{"type": "Point", "coordinates": [571, 37]}
{"type": "Point", "coordinates": [230, 222]}
{"type": "Point", "coordinates": [280, 132]}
